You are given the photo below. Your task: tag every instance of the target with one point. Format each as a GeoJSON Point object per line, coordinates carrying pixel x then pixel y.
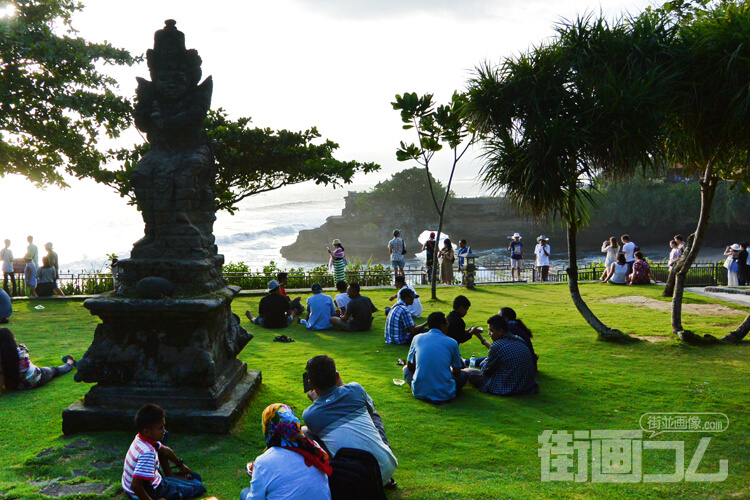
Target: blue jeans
{"type": "Point", "coordinates": [175, 488]}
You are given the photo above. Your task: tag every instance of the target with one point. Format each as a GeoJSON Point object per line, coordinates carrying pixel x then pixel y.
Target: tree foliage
{"type": "Point", "coordinates": [54, 100]}
{"type": "Point", "coordinates": [408, 189]}
{"type": "Point", "coordinates": [254, 160]}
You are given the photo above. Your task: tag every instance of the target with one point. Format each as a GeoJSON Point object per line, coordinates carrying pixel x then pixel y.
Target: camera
{"type": "Point", "coordinates": [306, 382]}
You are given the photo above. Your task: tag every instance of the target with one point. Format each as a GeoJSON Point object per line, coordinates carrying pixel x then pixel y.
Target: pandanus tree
{"type": "Point", "coordinates": [710, 127]}
{"type": "Point", "coordinates": [591, 102]}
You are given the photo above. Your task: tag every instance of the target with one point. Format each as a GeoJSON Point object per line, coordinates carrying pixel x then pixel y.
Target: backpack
{"type": "Point", "coordinates": [356, 476]}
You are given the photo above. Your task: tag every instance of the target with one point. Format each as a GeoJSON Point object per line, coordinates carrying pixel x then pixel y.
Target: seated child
{"type": "Point", "coordinates": [342, 298]}
{"type": "Point", "coordinates": [141, 479]}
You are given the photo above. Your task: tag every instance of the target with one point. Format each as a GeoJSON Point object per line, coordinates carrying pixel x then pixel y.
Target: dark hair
{"type": "Point", "coordinates": [282, 276]}
{"type": "Point", "coordinates": [148, 416]}
{"type": "Point", "coordinates": [625, 237]}
{"type": "Point", "coordinates": [355, 286]}
{"type": "Point", "coordinates": [447, 243]}
{"type": "Point", "coordinates": [639, 254]}
{"type": "Point", "coordinates": [678, 237]}
{"type": "Point", "coordinates": [322, 371]}
{"type": "Point", "coordinates": [462, 241]}
{"type": "Point", "coordinates": [400, 279]}
{"type": "Point", "coordinates": [498, 322]}
{"type": "Point", "coordinates": [45, 261]}
{"type": "Point", "coordinates": [510, 316]}
{"type": "Point", "coordinates": [9, 359]}
{"type": "Point", "coordinates": [621, 259]}
{"type": "Point", "coordinates": [341, 285]}
{"type": "Point", "coordinates": [436, 320]}
{"type": "Point", "coordinates": [461, 301]}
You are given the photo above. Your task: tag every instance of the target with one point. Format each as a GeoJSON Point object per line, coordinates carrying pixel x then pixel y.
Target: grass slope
{"type": "Point", "coordinates": [477, 447]}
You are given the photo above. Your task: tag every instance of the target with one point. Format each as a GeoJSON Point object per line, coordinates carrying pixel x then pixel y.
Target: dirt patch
{"type": "Point", "coordinates": [653, 339]}
{"type": "Point", "coordinates": [702, 309]}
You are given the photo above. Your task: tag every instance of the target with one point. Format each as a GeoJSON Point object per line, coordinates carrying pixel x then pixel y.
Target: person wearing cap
{"type": "Point", "coordinates": [516, 256]}
{"type": "Point", "coordinates": [320, 310]}
{"type": "Point", "coordinates": [337, 261]}
{"type": "Point", "coordinates": [429, 249]}
{"type": "Point", "coordinates": [416, 308]}
{"type": "Point", "coordinates": [400, 328]}
{"type": "Point", "coordinates": [52, 257]}
{"type": "Point", "coordinates": [732, 264]}
{"type": "Point", "coordinates": [358, 315]}
{"type": "Point", "coordinates": [273, 310]}
{"type": "Point", "coordinates": [397, 249]}
{"type": "Point", "coordinates": [542, 252]}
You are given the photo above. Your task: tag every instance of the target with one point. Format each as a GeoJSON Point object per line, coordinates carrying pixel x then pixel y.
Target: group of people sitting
{"type": "Point", "coordinates": [625, 265]}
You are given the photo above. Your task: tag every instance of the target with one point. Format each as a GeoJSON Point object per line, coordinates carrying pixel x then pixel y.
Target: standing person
{"type": "Point", "coordinates": [509, 368]}
{"type": "Point", "coordinates": [680, 243]}
{"type": "Point", "coordinates": [397, 249]}
{"type": "Point", "coordinates": [18, 372]}
{"type": "Point", "coordinates": [30, 275]}
{"type": "Point", "coordinates": [742, 276]}
{"type": "Point", "coordinates": [732, 264]}
{"type": "Point", "coordinates": [674, 253]}
{"type": "Point", "coordinates": [610, 247]}
{"type": "Point", "coordinates": [516, 256]}
{"type": "Point", "coordinates": [446, 265]}
{"type": "Point", "coordinates": [416, 308]}
{"type": "Point", "coordinates": [292, 466]}
{"type": "Point", "coordinates": [6, 255]}
{"type": "Point", "coordinates": [320, 310]}
{"type": "Point", "coordinates": [542, 252]}
{"type": "Point", "coordinates": [463, 249]}
{"type": "Point", "coordinates": [434, 366]}
{"type": "Point", "coordinates": [358, 316]}
{"type": "Point", "coordinates": [33, 251]}
{"type": "Point", "coordinates": [273, 309]}
{"type": "Point", "coordinates": [429, 248]}
{"type": "Point", "coordinates": [46, 283]}
{"type": "Point", "coordinates": [641, 271]}
{"type": "Point", "coordinates": [337, 261]}
{"type": "Point", "coordinates": [628, 248]}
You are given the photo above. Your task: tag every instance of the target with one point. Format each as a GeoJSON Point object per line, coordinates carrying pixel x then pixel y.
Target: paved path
{"type": "Point", "coordinates": [735, 298]}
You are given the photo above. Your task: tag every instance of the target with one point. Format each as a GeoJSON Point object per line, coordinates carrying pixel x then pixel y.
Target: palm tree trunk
{"type": "Point", "coordinates": [604, 332]}
{"type": "Point", "coordinates": [736, 336]}
{"type": "Point", "coordinates": [708, 190]}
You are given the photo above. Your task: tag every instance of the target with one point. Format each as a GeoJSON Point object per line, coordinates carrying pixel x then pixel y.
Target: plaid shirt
{"type": "Point", "coordinates": [510, 368]}
{"type": "Point", "coordinates": [397, 324]}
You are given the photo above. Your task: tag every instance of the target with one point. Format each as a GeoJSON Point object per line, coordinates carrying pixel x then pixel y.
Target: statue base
{"type": "Point", "coordinates": [180, 354]}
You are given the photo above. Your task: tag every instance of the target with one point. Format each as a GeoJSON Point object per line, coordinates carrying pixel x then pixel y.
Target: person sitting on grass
{"type": "Point", "coordinates": [292, 466]}
{"type": "Point", "coordinates": [273, 309]}
{"type": "Point", "coordinates": [6, 308]}
{"type": "Point", "coordinates": [509, 368]}
{"type": "Point", "coordinates": [618, 271]}
{"type": "Point", "coordinates": [344, 416]}
{"type": "Point", "coordinates": [320, 310]}
{"type": "Point", "coordinates": [342, 298]}
{"type": "Point", "coordinates": [141, 478]}
{"type": "Point", "coordinates": [358, 315]}
{"type": "Point", "coordinates": [456, 326]}
{"type": "Point", "coordinates": [17, 372]}
{"type": "Point", "coordinates": [641, 271]}
{"type": "Point", "coordinates": [295, 305]}
{"type": "Point", "coordinates": [433, 367]}
{"type": "Point", "coordinates": [29, 273]}
{"type": "Point", "coordinates": [519, 329]}
{"type": "Point", "coordinates": [400, 328]}
{"type": "Point", "coordinates": [416, 308]}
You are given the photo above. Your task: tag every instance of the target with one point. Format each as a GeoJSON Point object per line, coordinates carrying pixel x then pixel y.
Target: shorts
{"type": "Point", "coordinates": [516, 264]}
{"type": "Point", "coordinates": [260, 322]}
{"type": "Point", "coordinates": [397, 264]}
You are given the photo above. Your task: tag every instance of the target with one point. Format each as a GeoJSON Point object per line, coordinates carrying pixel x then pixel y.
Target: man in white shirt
{"type": "Point", "coordinates": [628, 248]}
{"type": "Point", "coordinates": [542, 252]}
{"type": "Point", "coordinates": [416, 308]}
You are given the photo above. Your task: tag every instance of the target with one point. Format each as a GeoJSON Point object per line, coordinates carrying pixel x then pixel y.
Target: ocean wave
{"type": "Point", "coordinates": [274, 232]}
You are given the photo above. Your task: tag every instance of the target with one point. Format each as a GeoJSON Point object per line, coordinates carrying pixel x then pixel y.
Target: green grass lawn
{"type": "Point", "coordinates": [477, 447]}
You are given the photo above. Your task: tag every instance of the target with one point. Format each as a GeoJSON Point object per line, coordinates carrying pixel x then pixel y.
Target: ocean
{"type": "Point", "coordinates": [86, 222]}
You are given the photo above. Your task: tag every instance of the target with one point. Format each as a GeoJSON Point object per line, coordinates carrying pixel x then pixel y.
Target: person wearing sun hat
{"type": "Point", "coordinates": [542, 252]}
{"type": "Point", "coordinates": [516, 256]}
{"type": "Point", "coordinates": [732, 264]}
{"type": "Point", "coordinates": [337, 261]}
{"type": "Point", "coordinates": [273, 310]}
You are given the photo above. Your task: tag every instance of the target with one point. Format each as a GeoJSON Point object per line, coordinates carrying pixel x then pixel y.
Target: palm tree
{"type": "Point", "coordinates": [589, 103]}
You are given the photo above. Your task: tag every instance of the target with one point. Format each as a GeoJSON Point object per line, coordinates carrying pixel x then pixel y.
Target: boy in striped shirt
{"type": "Point", "coordinates": [141, 478]}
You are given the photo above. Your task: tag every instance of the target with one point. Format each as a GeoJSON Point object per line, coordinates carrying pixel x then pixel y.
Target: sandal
{"type": "Point", "coordinates": [283, 338]}
{"type": "Point", "coordinates": [400, 362]}
{"type": "Point", "coordinates": [65, 360]}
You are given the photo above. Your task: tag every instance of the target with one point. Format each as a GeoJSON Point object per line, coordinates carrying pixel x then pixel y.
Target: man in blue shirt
{"type": "Point", "coordinates": [6, 308]}
{"type": "Point", "coordinates": [434, 365]}
{"type": "Point", "coordinates": [320, 310]}
{"type": "Point", "coordinates": [399, 326]}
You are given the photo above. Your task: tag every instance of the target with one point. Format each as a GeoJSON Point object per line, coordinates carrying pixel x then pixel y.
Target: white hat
{"type": "Point", "coordinates": [542, 238]}
{"type": "Point", "coordinates": [736, 247]}
{"type": "Point", "coordinates": [517, 235]}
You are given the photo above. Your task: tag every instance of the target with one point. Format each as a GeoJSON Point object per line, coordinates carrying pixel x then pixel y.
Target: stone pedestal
{"type": "Point", "coordinates": [177, 353]}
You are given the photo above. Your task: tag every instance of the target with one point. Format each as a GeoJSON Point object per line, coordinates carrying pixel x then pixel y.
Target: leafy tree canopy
{"type": "Point", "coordinates": [407, 189]}
{"type": "Point", "coordinates": [54, 101]}
{"type": "Point", "coordinates": [254, 160]}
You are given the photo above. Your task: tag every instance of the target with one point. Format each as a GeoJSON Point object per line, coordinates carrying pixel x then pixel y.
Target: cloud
{"type": "Point", "coordinates": [369, 9]}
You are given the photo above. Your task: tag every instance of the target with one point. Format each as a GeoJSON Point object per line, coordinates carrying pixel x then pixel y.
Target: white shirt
{"type": "Point", "coordinates": [280, 474]}
{"type": "Point", "coordinates": [7, 255]}
{"type": "Point", "coordinates": [629, 249]}
{"type": "Point", "coordinates": [541, 258]}
{"type": "Point", "coordinates": [342, 299]}
{"type": "Point", "coordinates": [416, 308]}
